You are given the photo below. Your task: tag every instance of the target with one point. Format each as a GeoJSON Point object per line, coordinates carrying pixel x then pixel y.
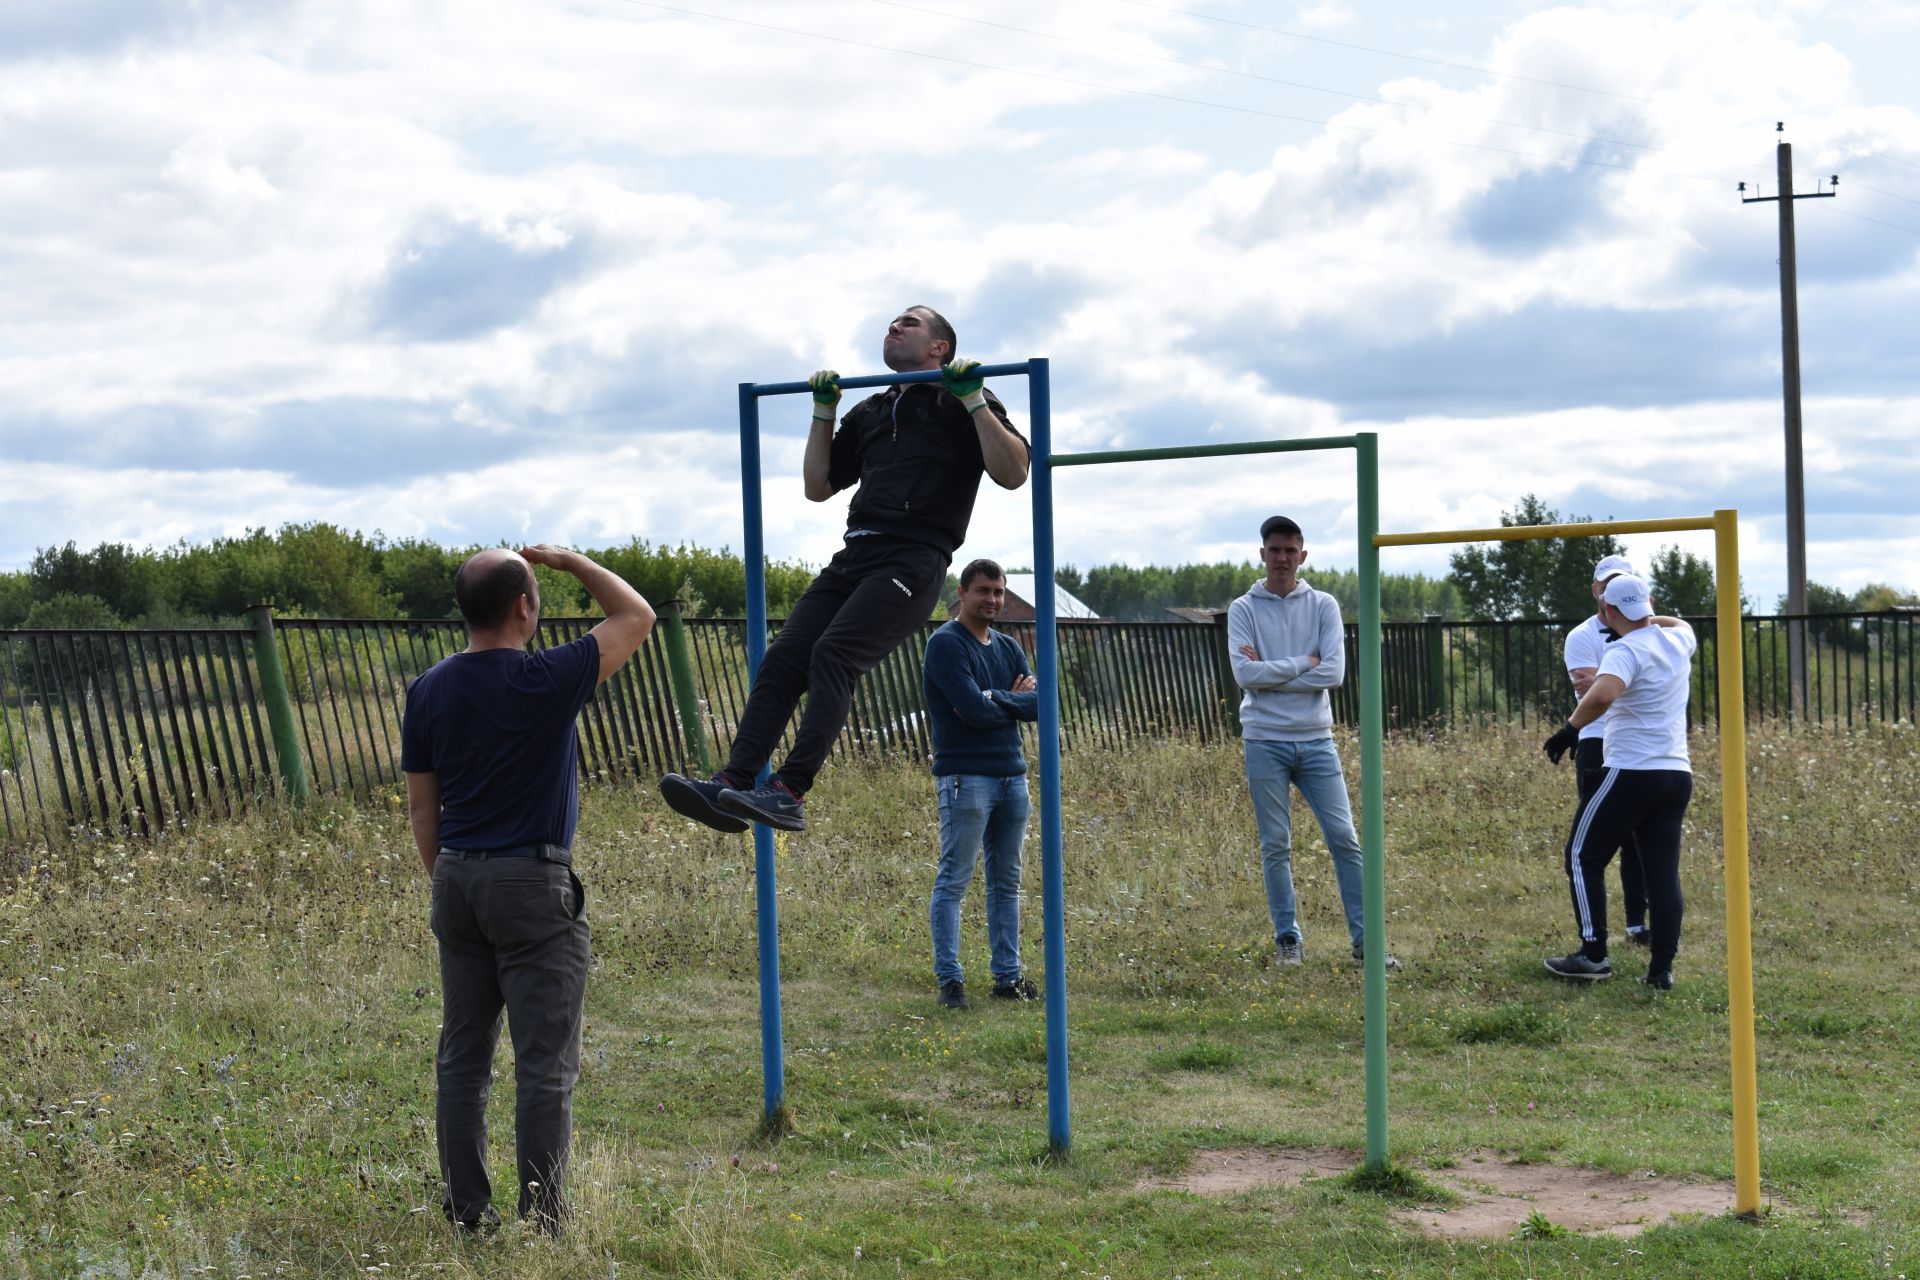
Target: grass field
{"type": "Point", "coordinates": [218, 1050]}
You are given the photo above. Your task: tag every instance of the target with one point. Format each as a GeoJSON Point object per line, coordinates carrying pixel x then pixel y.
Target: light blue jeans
{"type": "Point", "coordinates": [979, 815]}
{"type": "Point", "coordinates": [1314, 767]}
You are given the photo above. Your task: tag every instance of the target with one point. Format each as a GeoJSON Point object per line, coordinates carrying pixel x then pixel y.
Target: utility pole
{"type": "Point", "coordinates": [1790, 390]}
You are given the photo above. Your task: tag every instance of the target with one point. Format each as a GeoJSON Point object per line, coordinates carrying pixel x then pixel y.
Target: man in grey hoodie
{"type": "Point", "coordinates": [1288, 648]}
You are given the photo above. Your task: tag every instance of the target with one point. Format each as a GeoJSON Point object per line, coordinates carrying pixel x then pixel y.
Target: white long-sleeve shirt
{"type": "Point", "coordinates": [1285, 695]}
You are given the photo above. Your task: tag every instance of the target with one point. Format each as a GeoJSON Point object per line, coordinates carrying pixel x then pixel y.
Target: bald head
{"type": "Point", "coordinates": [488, 584]}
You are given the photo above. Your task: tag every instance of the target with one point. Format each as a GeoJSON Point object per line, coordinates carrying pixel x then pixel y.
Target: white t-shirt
{"type": "Point", "coordinates": [1586, 646]}
{"type": "Point", "coordinates": [1647, 724]}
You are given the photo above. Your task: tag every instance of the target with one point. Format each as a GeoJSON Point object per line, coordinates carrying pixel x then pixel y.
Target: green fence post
{"type": "Point", "coordinates": [1223, 672]}
{"type": "Point", "coordinates": [1436, 672]}
{"type": "Point", "coordinates": [273, 689]}
{"type": "Point", "coordinates": [686, 699]}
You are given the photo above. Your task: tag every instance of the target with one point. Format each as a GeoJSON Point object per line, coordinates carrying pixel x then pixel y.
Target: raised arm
{"type": "Point", "coordinates": [1005, 454]}
{"type": "Point", "coordinates": [629, 617]}
{"type": "Point", "coordinates": [816, 465]}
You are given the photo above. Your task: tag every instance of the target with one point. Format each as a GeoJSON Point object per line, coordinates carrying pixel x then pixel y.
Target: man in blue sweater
{"type": "Point", "coordinates": [978, 687]}
{"type": "Point", "coordinates": [1288, 648]}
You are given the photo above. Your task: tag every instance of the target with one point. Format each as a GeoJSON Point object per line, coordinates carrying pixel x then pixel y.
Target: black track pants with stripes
{"type": "Point", "coordinates": [1644, 806]}
{"type": "Point", "coordinates": [1591, 768]}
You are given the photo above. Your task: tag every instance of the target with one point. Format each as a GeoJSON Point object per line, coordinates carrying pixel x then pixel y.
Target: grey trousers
{"type": "Point", "coordinates": [513, 940]}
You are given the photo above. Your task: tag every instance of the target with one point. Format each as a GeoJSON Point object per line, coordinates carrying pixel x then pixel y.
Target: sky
{"type": "Point", "coordinates": [492, 270]}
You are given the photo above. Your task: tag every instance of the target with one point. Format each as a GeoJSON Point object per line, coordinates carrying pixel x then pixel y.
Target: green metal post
{"type": "Point", "coordinates": [273, 690]}
{"type": "Point", "coordinates": [1373, 809]}
{"type": "Point", "coordinates": [686, 698]}
{"type": "Point", "coordinates": [1436, 672]}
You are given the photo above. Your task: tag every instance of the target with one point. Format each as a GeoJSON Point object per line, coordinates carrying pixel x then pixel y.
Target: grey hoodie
{"type": "Point", "coordinates": [1286, 698]}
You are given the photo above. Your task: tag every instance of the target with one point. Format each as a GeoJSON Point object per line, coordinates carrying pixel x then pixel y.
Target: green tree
{"type": "Point", "coordinates": [1534, 577]}
{"type": "Point", "coordinates": [70, 610]}
{"type": "Point", "coordinates": [112, 572]}
{"type": "Point", "coordinates": [419, 576]}
{"type": "Point", "coordinates": [16, 597]}
{"type": "Point", "coordinates": [1682, 584]}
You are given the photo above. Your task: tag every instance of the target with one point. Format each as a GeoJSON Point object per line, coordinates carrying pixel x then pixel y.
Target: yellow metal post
{"type": "Point", "coordinates": [1733, 823]}
{"type": "Point", "coordinates": [1733, 795]}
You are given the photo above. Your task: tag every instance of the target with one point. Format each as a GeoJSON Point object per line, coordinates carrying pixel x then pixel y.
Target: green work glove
{"type": "Point", "coordinates": [960, 380]}
{"type": "Point", "coordinates": [826, 394]}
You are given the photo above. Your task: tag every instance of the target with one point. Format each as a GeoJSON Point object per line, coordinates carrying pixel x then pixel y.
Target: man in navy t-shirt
{"type": "Point", "coordinates": [978, 688]}
{"type": "Point", "coordinates": [491, 759]}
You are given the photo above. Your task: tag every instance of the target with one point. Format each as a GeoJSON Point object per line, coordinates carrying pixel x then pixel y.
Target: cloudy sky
{"type": "Point", "coordinates": [492, 269]}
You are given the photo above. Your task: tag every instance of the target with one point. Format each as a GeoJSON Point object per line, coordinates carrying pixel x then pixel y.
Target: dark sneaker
{"type": "Point", "coordinates": [1392, 961]}
{"type": "Point", "coordinates": [1640, 937]}
{"type": "Point", "coordinates": [772, 804]}
{"type": "Point", "coordinates": [481, 1227]}
{"type": "Point", "coordinates": [692, 798]}
{"type": "Point", "coordinates": [1659, 979]}
{"type": "Point", "coordinates": [1018, 989]}
{"type": "Point", "coordinates": [1579, 968]}
{"type": "Point", "coordinates": [1291, 950]}
{"type": "Point", "coordinates": [953, 995]}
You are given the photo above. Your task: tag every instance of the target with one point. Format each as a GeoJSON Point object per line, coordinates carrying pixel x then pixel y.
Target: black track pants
{"type": "Point", "coordinates": [1591, 768]}
{"type": "Point", "coordinates": [1645, 806]}
{"type": "Point", "coordinates": [878, 591]}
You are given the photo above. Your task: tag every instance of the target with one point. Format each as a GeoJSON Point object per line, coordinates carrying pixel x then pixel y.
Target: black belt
{"type": "Point", "coordinates": [540, 852]}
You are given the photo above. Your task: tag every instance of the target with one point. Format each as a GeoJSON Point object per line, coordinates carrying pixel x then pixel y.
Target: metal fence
{"type": "Point", "coordinates": [134, 732]}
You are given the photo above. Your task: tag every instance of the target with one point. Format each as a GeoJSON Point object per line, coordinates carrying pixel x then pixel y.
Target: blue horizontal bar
{"type": "Point", "coordinates": [887, 379]}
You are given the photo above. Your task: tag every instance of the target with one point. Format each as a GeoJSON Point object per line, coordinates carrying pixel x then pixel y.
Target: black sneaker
{"type": "Point", "coordinates": [1640, 936]}
{"type": "Point", "coordinates": [1018, 989]}
{"type": "Point", "coordinates": [1659, 979]}
{"type": "Point", "coordinates": [1579, 968]}
{"type": "Point", "coordinates": [1391, 963]}
{"type": "Point", "coordinates": [953, 995]}
{"type": "Point", "coordinates": [479, 1228]}
{"type": "Point", "coordinates": [772, 804]}
{"type": "Point", "coordinates": [692, 798]}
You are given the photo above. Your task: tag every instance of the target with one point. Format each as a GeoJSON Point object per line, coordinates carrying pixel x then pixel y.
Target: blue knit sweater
{"type": "Point", "coordinates": [971, 707]}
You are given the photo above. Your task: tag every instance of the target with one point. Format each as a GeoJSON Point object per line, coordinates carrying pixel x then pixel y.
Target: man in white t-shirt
{"type": "Point", "coordinates": [1586, 645]}
{"type": "Point", "coordinates": [1642, 688]}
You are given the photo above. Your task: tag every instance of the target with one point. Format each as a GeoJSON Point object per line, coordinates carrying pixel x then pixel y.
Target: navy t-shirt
{"type": "Point", "coordinates": [498, 727]}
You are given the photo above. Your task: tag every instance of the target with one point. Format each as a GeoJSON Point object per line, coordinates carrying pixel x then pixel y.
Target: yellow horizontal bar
{"type": "Point", "coordinates": [1521, 532]}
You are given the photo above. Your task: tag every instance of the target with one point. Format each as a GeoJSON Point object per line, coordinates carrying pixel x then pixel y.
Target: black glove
{"type": "Point", "coordinates": [1562, 742]}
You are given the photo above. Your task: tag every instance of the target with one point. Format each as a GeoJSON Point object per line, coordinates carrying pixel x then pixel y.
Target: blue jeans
{"type": "Point", "coordinates": [979, 814]}
{"type": "Point", "coordinates": [1314, 767]}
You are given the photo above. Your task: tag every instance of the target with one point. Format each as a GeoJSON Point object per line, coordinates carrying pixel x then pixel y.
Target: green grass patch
{"type": "Point", "coordinates": [216, 1050]}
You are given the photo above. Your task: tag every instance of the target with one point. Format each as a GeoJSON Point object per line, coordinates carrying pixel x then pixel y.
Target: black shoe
{"type": "Point", "coordinates": [1579, 968]}
{"type": "Point", "coordinates": [481, 1227]}
{"type": "Point", "coordinates": [692, 798]}
{"type": "Point", "coordinates": [1659, 979]}
{"type": "Point", "coordinates": [953, 995]}
{"type": "Point", "coordinates": [1391, 963]}
{"type": "Point", "coordinates": [1018, 989]}
{"type": "Point", "coordinates": [772, 804]}
{"type": "Point", "coordinates": [1640, 937]}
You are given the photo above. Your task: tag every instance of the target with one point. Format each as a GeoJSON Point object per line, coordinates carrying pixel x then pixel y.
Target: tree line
{"type": "Point", "coordinates": [320, 570]}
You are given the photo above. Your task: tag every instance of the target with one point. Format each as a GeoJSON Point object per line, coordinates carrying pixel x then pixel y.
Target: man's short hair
{"type": "Point", "coordinates": [942, 331]}
{"type": "Point", "coordinates": [981, 569]}
{"type": "Point", "coordinates": [1280, 524]}
{"type": "Point", "coordinates": [486, 592]}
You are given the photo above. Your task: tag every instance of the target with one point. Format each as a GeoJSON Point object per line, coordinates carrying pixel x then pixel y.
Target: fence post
{"type": "Point", "coordinates": [686, 698]}
{"type": "Point", "coordinates": [1436, 671]}
{"type": "Point", "coordinates": [1223, 671]}
{"type": "Point", "coordinates": [273, 690]}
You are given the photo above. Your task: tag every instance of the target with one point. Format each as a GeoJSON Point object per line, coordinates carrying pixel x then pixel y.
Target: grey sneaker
{"type": "Point", "coordinates": [1392, 961]}
{"type": "Point", "coordinates": [775, 805]}
{"type": "Point", "coordinates": [1018, 989]}
{"type": "Point", "coordinates": [953, 995]}
{"type": "Point", "coordinates": [700, 800]}
{"type": "Point", "coordinates": [1580, 969]}
{"type": "Point", "coordinates": [1291, 950]}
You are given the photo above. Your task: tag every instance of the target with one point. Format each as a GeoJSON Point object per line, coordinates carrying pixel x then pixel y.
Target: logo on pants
{"type": "Point", "coordinates": [905, 590]}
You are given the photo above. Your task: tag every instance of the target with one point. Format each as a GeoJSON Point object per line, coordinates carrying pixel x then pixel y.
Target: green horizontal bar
{"type": "Point", "coordinates": [1204, 451]}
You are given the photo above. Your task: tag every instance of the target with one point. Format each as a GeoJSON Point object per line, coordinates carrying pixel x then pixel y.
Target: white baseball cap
{"type": "Point", "coordinates": [1610, 566]}
{"type": "Point", "coordinates": [1629, 595]}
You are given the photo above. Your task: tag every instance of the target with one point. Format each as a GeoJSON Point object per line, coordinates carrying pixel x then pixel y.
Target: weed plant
{"type": "Point", "coordinates": [218, 1047]}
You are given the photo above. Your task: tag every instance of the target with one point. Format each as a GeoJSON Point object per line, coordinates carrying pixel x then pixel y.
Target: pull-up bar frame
{"type": "Point", "coordinates": [1725, 526]}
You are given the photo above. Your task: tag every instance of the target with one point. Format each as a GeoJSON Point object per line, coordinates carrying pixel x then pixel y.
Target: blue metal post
{"type": "Point", "coordinates": [765, 889]}
{"type": "Point", "coordinates": [1052, 852]}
